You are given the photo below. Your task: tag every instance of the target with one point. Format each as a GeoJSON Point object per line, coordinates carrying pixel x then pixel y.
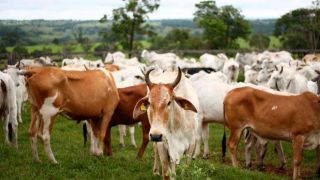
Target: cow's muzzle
{"type": "Point", "coordinates": [155, 137]}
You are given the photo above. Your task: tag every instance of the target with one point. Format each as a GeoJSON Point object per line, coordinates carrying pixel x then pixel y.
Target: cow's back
{"type": "Point", "coordinates": [79, 94]}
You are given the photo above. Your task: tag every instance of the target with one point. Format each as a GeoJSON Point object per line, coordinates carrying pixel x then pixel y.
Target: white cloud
{"type": "Point", "coordinates": [169, 9]}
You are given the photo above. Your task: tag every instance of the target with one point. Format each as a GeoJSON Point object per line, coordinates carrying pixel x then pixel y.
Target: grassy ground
{"type": "Point", "coordinates": [75, 162]}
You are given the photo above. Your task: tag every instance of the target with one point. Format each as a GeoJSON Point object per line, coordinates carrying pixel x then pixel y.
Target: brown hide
{"type": "Point", "coordinates": [290, 118]}
{"type": "Point", "coordinates": [111, 67]}
{"type": "Point", "coordinates": [129, 96]}
{"type": "Point", "coordinates": [311, 57]}
{"type": "Point", "coordinates": [81, 95]}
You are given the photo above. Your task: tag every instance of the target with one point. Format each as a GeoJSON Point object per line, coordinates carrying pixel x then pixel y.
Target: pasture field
{"type": "Point", "coordinates": [75, 162]}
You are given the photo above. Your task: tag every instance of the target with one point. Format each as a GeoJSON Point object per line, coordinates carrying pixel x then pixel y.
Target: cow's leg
{"type": "Point", "coordinates": [198, 137]}
{"type": "Point", "coordinates": [33, 129]}
{"type": "Point", "coordinates": [261, 148]}
{"type": "Point", "coordinates": [173, 169]}
{"type": "Point", "coordinates": [297, 154]}
{"type": "Point", "coordinates": [133, 141]}
{"type": "Point", "coordinates": [94, 137]}
{"type": "Point", "coordinates": [250, 141]}
{"type": "Point", "coordinates": [233, 145]}
{"type": "Point", "coordinates": [205, 138]}
{"type": "Point", "coordinates": [122, 133]}
{"type": "Point", "coordinates": [318, 160]}
{"type": "Point", "coordinates": [19, 104]}
{"type": "Point", "coordinates": [6, 129]}
{"type": "Point", "coordinates": [145, 137]}
{"type": "Point", "coordinates": [48, 112]}
{"type": "Point", "coordinates": [93, 141]}
{"type": "Point", "coordinates": [46, 136]}
{"type": "Point", "coordinates": [105, 134]}
{"type": "Point", "coordinates": [156, 165]}
{"type": "Point", "coordinates": [107, 142]}
{"type": "Point", "coordinates": [15, 134]}
{"type": "Point", "coordinates": [279, 149]}
{"type": "Point", "coordinates": [164, 158]}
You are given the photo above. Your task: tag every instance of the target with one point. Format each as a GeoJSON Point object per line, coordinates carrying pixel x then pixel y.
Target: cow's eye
{"type": "Point", "coordinates": [169, 103]}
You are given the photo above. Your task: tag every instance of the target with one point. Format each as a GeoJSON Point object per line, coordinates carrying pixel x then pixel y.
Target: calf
{"type": "Point", "coordinates": [274, 116]}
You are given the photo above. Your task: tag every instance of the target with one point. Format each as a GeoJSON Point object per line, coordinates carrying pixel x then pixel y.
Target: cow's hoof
{"type": "Point", "coordinates": [36, 160]}
{"type": "Point", "coordinates": [98, 153]}
{"type": "Point", "coordinates": [261, 167]}
{"type": "Point", "coordinates": [205, 156]}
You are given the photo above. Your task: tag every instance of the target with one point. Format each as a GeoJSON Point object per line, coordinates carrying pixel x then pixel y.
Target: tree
{"type": "Point", "coordinates": [176, 39]}
{"type": "Point", "coordinates": [300, 28]}
{"type": "Point", "coordinates": [11, 38]}
{"type": "Point", "coordinates": [128, 21]}
{"type": "Point", "coordinates": [259, 41]}
{"type": "Point", "coordinates": [3, 49]}
{"type": "Point", "coordinates": [20, 51]}
{"type": "Point", "coordinates": [222, 26]}
{"type": "Point", "coordinates": [78, 34]}
{"type": "Point", "coordinates": [56, 41]}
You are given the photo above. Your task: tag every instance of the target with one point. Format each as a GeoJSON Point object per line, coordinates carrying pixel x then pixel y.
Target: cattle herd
{"type": "Point", "coordinates": [174, 99]}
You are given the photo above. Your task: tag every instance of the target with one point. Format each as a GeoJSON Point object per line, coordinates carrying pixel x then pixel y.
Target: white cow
{"type": "Point", "coordinates": [231, 70]}
{"type": "Point", "coordinates": [8, 107]}
{"type": "Point", "coordinates": [212, 61]}
{"type": "Point", "coordinates": [114, 57]}
{"type": "Point", "coordinates": [21, 90]}
{"type": "Point", "coordinates": [288, 80]}
{"type": "Point", "coordinates": [38, 62]}
{"type": "Point", "coordinates": [250, 75]}
{"type": "Point", "coordinates": [171, 105]}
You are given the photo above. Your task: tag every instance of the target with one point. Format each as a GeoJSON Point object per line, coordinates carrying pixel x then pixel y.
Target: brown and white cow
{"type": "Point", "coordinates": [80, 95]}
{"type": "Point", "coordinates": [171, 105]}
{"type": "Point", "coordinates": [293, 118]}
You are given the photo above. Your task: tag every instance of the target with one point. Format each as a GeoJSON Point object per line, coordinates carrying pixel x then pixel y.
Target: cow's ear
{"type": "Point", "coordinates": [185, 104]}
{"type": "Point", "coordinates": [140, 107]}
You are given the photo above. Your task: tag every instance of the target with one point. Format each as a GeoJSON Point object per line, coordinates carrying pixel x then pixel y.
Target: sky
{"type": "Point", "coordinates": [169, 9]}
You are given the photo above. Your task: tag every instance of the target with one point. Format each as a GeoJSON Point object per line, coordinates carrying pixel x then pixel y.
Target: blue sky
{"type": "Point", "coordinates": [169, 9]}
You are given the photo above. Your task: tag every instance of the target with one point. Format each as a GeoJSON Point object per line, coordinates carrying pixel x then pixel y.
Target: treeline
{"type": "Point", "coordinates": [33, 32]}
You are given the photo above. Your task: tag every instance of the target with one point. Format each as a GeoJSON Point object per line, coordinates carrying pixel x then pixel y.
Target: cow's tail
{"type": "Point", "coordinates": [224, 143]}
{"type": "Point", "coordinates": [84, 133]}
{"type": "Point", "coordinates": [224, 139]}
{"type": "Point", "coordinates": [10, 131]}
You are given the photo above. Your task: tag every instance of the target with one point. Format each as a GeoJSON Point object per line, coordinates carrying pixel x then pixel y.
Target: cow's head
{"type": "Point", "coordinates": [162, 105]}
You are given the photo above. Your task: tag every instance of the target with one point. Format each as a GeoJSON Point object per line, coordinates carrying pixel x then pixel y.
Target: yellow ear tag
{"type": "Point", "coordinates": [143, 107]}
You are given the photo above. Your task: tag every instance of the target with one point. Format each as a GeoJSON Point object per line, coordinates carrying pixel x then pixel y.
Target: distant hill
{"type": "Point", "coordinates": [33, 32]}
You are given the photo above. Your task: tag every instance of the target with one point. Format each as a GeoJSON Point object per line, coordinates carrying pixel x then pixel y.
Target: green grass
{"type": "Point", "coordinates": [75, 162]}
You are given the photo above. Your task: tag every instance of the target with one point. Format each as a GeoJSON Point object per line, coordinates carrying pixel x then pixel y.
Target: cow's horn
{"type": "Point", "coordinates": [176, 82]}
{"type": "Point", "coordinates": [148, 82]}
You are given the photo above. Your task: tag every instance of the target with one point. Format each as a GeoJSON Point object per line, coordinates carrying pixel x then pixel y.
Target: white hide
{"type": "Point", "coordinates": [21, 90]}
{"type": "Point", "coordinates": [231, 70]}
{"type": "Point", "coordinates": [10, 114]}
{"type": "Point", "coordinates": [177, 142]}
{"type": "Point", "coordinates": [212, 61]}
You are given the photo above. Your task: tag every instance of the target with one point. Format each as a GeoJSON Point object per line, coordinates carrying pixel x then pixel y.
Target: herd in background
{"type": "Point", "coordinates": [196, 96]}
